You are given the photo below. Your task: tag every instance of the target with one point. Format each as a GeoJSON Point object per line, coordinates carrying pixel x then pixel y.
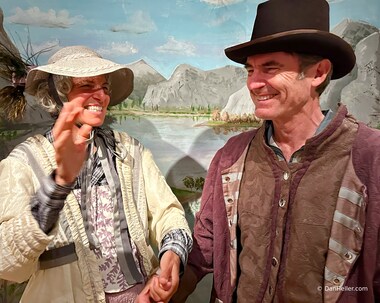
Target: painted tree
{"type": "Point", "coordinates": [199, 183]}
{"type": "Point", "coordinates": [189, 182]}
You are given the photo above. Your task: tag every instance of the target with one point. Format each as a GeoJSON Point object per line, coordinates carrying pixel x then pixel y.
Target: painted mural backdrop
{"type": "Point", "coordinates": [188, 97]}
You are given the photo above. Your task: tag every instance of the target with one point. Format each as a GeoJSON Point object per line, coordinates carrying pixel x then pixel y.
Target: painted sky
{"type": "Point", "coordinates": [165, 33]}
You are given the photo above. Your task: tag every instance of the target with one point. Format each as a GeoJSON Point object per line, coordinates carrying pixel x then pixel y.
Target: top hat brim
{"type": "Point", "coordinates": [121, 77]}
{"type": "Point", "coordinates": [313, 42]}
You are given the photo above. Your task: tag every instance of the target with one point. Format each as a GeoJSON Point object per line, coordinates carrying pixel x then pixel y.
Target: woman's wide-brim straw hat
{"type": "Point", "coordinates": [300, 26]}
{"type": "Point", "coordinates": [80, 61]}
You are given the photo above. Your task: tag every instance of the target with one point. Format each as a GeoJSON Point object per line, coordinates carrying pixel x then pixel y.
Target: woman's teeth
{"type": "Point", "coordinates": [94, 108]}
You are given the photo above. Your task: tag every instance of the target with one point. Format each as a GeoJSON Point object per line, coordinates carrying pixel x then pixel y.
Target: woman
{"type": "Point", "coordinates": [81, 205]}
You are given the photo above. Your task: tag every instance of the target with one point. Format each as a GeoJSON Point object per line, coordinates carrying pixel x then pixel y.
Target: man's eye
{"type": "Point", "coordinates": [270, 69]}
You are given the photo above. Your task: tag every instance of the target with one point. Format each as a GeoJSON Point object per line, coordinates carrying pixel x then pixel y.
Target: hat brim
{"type": "Point", "coordinates": [121, 77]}
{"type": "Point", "coordinates": [313, 42]}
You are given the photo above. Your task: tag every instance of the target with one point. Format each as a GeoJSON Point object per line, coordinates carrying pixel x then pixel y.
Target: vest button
{"type": "Point", "coordinates": [286, 175]}
{"type": "Point", "coordinates": [336, 281]}
{"type": "Point", "coordinates": [348, 256]}
{"type": "Point", "coordinates": [274, 261]}
{"type": "Point", "coordinates": [282, 202]}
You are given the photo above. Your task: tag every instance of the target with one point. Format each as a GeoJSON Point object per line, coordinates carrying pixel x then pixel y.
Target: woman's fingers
{"type": "Point", "coordinates": [66, 127]}
{"type": "Point", "coordinates": [66, 119]}
{"type": "Point", "coordinates": [70, 143]}
{"type": "Point", "coordinates": [83, 134]}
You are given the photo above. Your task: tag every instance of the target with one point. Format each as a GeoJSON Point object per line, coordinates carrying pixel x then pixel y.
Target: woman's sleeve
{"type": "Point", "coordinates": [164, 210]}
{"type": "Point", "coordinates": [21, 239]}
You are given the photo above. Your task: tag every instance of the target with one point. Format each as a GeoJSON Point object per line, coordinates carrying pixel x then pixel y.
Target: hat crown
{"type": "Point", "coordinates": [73, 52]}
{"type": "Point", "coordinates": [288, 15]}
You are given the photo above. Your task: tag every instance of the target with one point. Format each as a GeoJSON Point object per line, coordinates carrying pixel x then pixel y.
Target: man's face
{"type": "Point", "coordinates": [276, 86]}
{"type": "Point", "coordinates": [93, 96]}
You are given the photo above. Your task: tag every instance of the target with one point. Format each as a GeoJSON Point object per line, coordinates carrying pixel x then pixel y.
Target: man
{"type": "Point", "coordinates": [290, 212]}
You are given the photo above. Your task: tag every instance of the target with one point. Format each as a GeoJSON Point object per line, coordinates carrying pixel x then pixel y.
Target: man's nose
{"type": "Point", "coordinates": [255, 80]}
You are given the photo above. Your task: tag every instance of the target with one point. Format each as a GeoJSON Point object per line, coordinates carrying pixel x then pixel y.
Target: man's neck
{"type": "Point", "coordinates": [292, 134]}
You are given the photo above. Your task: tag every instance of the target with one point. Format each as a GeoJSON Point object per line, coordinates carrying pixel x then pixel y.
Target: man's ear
{"type": "Point", "coordinates": [321, 70]}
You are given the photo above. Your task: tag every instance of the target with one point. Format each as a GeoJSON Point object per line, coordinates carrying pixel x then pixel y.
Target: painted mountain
{"type": "Point", "coordinates": [359, 90]}
{"type": "Point", "coordinates": [145, 75]}
{"type": "Point", "coordinates": [189, 86]}
{"type": "Point", "coordinates": [239, 103]}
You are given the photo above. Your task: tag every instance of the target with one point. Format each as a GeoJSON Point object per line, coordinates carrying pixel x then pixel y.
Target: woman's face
{"type": "Point", "coordinates": [92, 94]}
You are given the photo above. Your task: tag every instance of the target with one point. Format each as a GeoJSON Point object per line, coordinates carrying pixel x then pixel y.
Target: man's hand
{"type": "Point", "coordinates": [70, 144]}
